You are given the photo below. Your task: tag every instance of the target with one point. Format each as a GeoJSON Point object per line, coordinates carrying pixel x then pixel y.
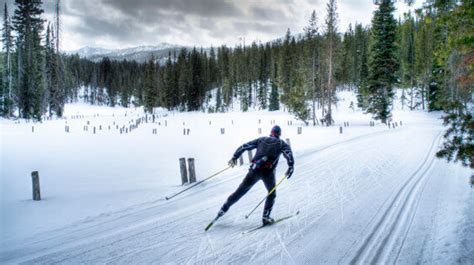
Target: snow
{"type": "Point", "coordinates": [369, 195]}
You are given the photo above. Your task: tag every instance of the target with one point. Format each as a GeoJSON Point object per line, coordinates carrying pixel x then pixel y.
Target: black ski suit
{"type": "Point", "coordinates": [263, 167]}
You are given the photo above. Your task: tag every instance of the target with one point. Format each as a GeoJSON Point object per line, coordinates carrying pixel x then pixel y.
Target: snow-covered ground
{"type": "Point", "coordinates": [369, 195]}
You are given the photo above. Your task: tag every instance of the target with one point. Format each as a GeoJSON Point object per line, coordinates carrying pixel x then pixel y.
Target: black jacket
{"type": "Point", "coordinates": [268, 152]}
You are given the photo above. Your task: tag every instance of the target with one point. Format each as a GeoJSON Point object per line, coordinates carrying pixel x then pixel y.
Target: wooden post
{"type": "Point", "coordinates": [249, 152]}
{"type": "Point", "coordinates": [36, 186]}
{"type": "Point", "coordinates": [32, 129]}
{"type": "Point", "coordinates": [94, 129]}
{"type": "Point", "coordinates": [184, 131]}
{"type": "Point", "coordinates": [340, 129]}
{"type": "Point", "coordinates": [182, 167]}
{"type": "Point", "coordinates": [300, 130]}
{"type": "Point", "coordinates": [288, 141]}
{"type": "Point", "coordinates": [259, 130]}
{"type": "Point", "coordinates": [401, 123]}
{"type": "Point", "coordinates": [192, 170]}
{"type": "Point", "coordinates": [222, 130]}
{"type": "Point", "coordinates": [241, 160]}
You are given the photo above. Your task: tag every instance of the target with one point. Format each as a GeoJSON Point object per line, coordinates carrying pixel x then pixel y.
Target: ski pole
{"type": "Point", "coordinates": [197, 183]}
{"type": "Point", "coordinates": [273, 190]}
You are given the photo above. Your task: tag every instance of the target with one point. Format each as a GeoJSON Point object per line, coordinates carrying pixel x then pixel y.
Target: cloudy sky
{"type": "Point", "coordinates": [128, 23]}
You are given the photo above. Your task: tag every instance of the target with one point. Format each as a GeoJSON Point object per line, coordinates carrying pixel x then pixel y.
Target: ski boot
{"type": "Point", "coordinates": [267, 220]}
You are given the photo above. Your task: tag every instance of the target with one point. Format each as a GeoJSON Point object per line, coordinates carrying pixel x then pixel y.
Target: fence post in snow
{"type": "Point", "coordinates": [94, 129]}
{"type": "Point", "coordinates": [249, 152]}
{"type": "Point", "coordinates": [36, 186]}
{"type": "Point", "coordinates": [222, 130]}
{"type": "Point", "coordinates": [192, 170]}
{"type": "Point", "coordinates": [241, 160]}
{"type": "Point", "coordinates": [300, 130]}
{"type": "Point", "coordinates": [32, 129]}
{"type": "Point", "coordinates": [340, 129]}
{"type": "Point", "coordinates": [184, 173]}
{"type": "Point", "coordinates": [288, 141]}
{"type": "Point", "coordinates": [259, 130]}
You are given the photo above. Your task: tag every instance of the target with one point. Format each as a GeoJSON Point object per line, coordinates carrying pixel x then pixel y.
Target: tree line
{"type": "Point", "coordinates": [428, 53]}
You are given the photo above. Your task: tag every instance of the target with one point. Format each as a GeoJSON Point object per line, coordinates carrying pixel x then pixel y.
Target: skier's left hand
{"type": "Point", "coordinates": [289, 172]}
{"type": "Point", "coordinates": [232, 162]}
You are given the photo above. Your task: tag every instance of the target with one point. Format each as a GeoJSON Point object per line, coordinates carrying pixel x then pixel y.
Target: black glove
{"type": "Point", "coordinates": [289, 172]}
{"type": "Point", "coordinates": [232, 162]}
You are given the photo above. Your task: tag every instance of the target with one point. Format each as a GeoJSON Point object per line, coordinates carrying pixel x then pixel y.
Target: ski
{"type": "Point", "coordinates": [275, 222]}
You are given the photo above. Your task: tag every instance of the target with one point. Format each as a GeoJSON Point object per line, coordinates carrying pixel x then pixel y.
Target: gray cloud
{"type": "Point", "coordinates": [268, 13]}
{"type": "Point", "coordinates": [125, 23]}
{"type": "Point", "coordinates": [205, 8]}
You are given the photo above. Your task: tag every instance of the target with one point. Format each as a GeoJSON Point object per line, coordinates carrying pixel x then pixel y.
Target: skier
{"type": "Point", "coordinates": [263, 167]}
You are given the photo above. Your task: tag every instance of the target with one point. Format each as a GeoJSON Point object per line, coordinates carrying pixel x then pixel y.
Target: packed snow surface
{"type": "Point", "coordinates": [368, 195]}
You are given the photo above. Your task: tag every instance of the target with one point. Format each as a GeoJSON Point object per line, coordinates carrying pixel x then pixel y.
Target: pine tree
{"type": "Point", "coordinates": [362, 39]}
{"type": "Point", "coordinates": [168, 84]}
{"type": "Point", "coordinates": [28, 24]}
{"type": "Point", "coordinates": [383, 63]}
{"type": "Point", "coordinates": [459, 66]}
{"type": "Point", "coordinates": [331, 39]}
{"type": "Point", "coordinates": [313, 56]}
{"type": "Point", "coordinates": [285, 68]}
{"type": "Point", "coordinates": [274, 95]}
{"type": "Point", "coordinates": [297, 103]}
{"type": "Point", "coordinates": [6, 97]}
{"type": "Point", "coordinates": [55, 94]}
{"type": "Point", "coordinates": [408, 58]}
{"type": "Point", "coordinates": [424, 54]}
{"type": "Point", "coordinates": [151, 86]}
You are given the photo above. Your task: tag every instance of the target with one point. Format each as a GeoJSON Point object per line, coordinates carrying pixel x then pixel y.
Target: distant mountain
{"type": "Point", "coordinates": [139, 54]}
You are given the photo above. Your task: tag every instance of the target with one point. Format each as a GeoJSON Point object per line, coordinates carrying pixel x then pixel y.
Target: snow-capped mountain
{"type": "Point", "coordinates": [139, 53]}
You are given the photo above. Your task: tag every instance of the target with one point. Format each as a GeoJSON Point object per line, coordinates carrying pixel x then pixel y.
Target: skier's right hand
{"type": "Point", "coordinates": [289, 172]}
{"type": "Point", "coordinates": [232, 162]}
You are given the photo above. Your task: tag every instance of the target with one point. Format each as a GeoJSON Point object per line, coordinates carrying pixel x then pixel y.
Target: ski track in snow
{"type": "Point", "coordinates": [386, 232]}
{"type": "Point", "coordinates": [370, 204]}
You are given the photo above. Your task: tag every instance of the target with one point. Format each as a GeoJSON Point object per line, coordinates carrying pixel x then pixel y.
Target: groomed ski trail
{"type": "Point", "coordinates": [357, 212]}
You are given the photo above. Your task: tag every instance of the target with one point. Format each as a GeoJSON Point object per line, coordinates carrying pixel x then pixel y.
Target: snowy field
{"type": "Point", "coordinates": [369, 195]}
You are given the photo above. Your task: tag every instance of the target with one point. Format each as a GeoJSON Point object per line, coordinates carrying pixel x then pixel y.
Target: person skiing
{"type": "Point", "coordinates": [263, 168]}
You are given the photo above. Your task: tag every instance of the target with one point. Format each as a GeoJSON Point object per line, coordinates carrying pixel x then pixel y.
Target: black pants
{"type": "Point", "coordinates": [253, 176]}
